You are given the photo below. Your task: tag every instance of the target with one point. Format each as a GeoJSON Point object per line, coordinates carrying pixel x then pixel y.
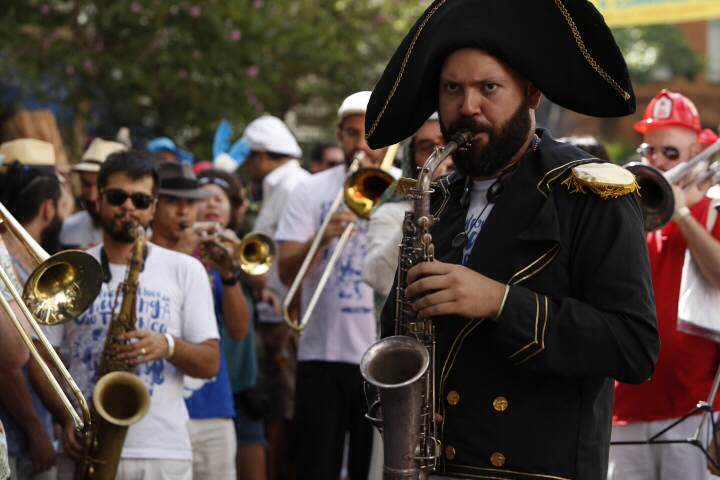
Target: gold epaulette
{"type": "Point", "coordinates": [604, 179]}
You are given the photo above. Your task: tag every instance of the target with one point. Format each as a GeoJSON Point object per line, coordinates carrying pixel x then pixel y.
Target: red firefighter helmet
{"type": "Point", "coordinates": [669, 108]}
{"type": "Point", "coordinates": [707, 137]}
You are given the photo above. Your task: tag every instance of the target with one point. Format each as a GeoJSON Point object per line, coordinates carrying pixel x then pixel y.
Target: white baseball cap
{"type": "Point", "coordinates": [270, 134]}
{"type": "Point", "coordinates": [354, 104]}
{"type": "Point", "coordinates": [96, 153]}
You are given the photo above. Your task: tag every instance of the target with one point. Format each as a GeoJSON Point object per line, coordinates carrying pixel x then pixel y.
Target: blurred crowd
{"type": "Point", "coordinates": [256, 400]}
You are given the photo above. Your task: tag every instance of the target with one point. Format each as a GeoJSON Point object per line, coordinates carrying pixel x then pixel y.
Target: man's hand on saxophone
{"type": "Point", "coordinates": [450, 289]}
{"type": "Point", "coordinates": [142, 346]}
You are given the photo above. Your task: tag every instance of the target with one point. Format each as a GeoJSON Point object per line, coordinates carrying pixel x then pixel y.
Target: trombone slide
{"type": "Point", "coordinates": [81, 424]}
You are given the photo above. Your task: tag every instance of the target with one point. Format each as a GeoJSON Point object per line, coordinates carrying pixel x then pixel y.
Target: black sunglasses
{"type": "Point", "coordinates": [647, 151]}
{"type": "Point", "coordinates": [117, 197]}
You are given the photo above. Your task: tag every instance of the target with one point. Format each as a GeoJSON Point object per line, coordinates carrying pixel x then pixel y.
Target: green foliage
{"type": "Point", "coordinates": [620, 152]}
{"type": "Point", "coordinates": [176, 67]}
{"type": "Point", "coordinates": [658, 50]}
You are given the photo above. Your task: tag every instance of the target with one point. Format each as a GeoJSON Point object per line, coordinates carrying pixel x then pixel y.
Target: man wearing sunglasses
{"type": "Point", "coordinates": [176, 332]}
{"type": "Point", "coordinates": [687, 363]}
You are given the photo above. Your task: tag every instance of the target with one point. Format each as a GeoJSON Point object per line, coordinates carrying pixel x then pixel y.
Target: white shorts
{"type": "Point", "coordinates": [214, 446]}
{"type": "Point", "coordinates": [136, 469]}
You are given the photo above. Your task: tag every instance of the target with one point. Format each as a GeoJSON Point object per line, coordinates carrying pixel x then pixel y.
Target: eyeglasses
{"type": "Point", "coordinates": [669, 152]}
{"type": "Point", "coordinates": [117, 197]}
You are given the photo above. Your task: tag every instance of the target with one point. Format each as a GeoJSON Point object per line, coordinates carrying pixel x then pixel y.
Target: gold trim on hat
{"type": "Point", "coordinates": [402, 67]}
{"type": "Point", "coordinates": [591, 61]}
{"type": "Point", "coordinates": [568, 18]}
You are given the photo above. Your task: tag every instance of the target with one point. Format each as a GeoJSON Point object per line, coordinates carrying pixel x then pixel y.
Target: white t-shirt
{"type": "Point", "coordinates": [79, 231]}
{"type": "Point", "coordinates": [276, 187]}
{"type": "Point", "coordinates": [477, 214]}
{"type": "Point", "coordinates": [342, 326]}
{"type": "Point", "coordinates": [173, 297]}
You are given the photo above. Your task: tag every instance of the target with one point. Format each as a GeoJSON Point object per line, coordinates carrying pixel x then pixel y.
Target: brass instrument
{"type": "Point", "coordinates": [254, 254]}
{"type": "Point", "coordinates": [656, 194]}
{"type": "Point", "coordinates": [402, 366]}
{"type": "Point", "coordinates": [361, 191]}
{"type": "Point", "coordinates": [120, 398]}
{"type": "Point", "coordinates": [59, 288]}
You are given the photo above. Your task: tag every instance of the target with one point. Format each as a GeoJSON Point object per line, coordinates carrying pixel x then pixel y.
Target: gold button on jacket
{"type": "Point", "coordinates": [453, 397]}
{"type": "Point", "coordinates": [450, 452]}
{"type": "Point", "coordinates": [497, 459]}
{"type": "Point", "coordinates": [500, 404]}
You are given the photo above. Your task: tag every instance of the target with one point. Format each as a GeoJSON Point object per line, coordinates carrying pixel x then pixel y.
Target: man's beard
{"type": "Point", "coordinates": [50, 236]}
{"type": "Point", "coordinates": [120, 228]}
{"type": "Point", "coordinates": [486, 160]}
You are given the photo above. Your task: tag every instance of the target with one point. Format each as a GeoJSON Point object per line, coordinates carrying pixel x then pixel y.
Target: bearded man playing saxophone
{"type": "Point", "coordinates": [541, 290]}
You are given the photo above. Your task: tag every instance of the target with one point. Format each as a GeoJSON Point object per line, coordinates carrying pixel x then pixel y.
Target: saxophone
{"type": "Point", "coordinates": [120, 398]}
{"type": "Point", "coordinates": [402, 366]}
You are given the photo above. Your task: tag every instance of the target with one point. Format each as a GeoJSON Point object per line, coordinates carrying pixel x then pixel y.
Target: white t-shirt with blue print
{"type": "Point", "coordinates": [477, 215]}
{"type": "Point", "coordinates": [173, 297]}
{"type": "Point", "coordinates": [342, 326]}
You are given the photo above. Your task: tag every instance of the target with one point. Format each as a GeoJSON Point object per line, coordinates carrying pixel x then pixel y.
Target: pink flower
{"type": "Point", "coordinates": [235, 35]}
{"type": "Point", "coordinates": [88, 65]}
{"type": "Point", "coordinates": [135, 7]}
{"type": "Point", "coordinates": [258, 3]}
{"type": "Point", "coordinates": [195, 11]}
{"type": "Point", "coordinates": [252, 71]}
{"type": "Point", "coordinates": [45, 9]}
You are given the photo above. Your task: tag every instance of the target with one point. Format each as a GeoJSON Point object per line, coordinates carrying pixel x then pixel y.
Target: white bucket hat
{"type": "Point", "coordinates": [270, 134]}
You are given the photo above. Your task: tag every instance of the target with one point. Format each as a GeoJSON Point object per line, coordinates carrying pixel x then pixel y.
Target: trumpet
{"type": "Point", "coordinates": [58, 289]}
{"type": "Point", "coordinates": [361, 191]}
{"type": "Point", "coordinates": [254, 254]}
{"type": "Point", "coordinates": [656, 195]}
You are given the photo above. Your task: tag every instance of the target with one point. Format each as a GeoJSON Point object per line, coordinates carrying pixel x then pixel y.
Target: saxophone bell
{"type": "Point", "coordinates": [397, 367]}
{"type": "Point", "coordinates": [402, 367]}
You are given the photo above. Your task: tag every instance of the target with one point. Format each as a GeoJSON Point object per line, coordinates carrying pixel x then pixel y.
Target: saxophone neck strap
{"type": "Point", "coordinates": [105, 263]}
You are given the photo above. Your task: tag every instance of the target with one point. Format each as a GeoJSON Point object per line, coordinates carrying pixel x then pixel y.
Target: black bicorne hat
{"type": "Point", "coordinates": [563, 47]}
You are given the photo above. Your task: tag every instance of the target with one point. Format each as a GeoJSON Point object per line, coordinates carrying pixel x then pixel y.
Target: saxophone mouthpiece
{"type": "Point", "coordinates": [463, 139]}
{"type": "Point", "coordinates": [134, 229]}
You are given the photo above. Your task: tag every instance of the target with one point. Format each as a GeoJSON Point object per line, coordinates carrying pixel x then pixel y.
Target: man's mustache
{"type": "Point", "coordinates": [468, 123]}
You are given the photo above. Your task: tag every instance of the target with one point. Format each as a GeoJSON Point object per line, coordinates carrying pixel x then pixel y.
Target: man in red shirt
{"type": "Point", "coordinates": [687, 363]}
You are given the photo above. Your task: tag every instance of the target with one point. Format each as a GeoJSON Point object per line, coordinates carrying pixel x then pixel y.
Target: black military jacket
{"type": "Point", "coordinates": [530, 395]}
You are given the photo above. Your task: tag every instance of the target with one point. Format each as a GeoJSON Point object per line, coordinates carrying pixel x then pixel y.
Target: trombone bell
{"type": "Point", "coordinates": [363, 189]}
{"type": "Point", "coordinates": [62, 287]}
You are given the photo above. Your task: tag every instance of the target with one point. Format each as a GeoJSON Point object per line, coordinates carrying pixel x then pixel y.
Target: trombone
{"type": "Point", "coordinates": [656, 195]}
{"type": "Point", "coordinates": [361, 191]}
{"type": "Point", "coordinates": [58, 289]}
{"type": "Point", "coordinates": [254, 254]}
